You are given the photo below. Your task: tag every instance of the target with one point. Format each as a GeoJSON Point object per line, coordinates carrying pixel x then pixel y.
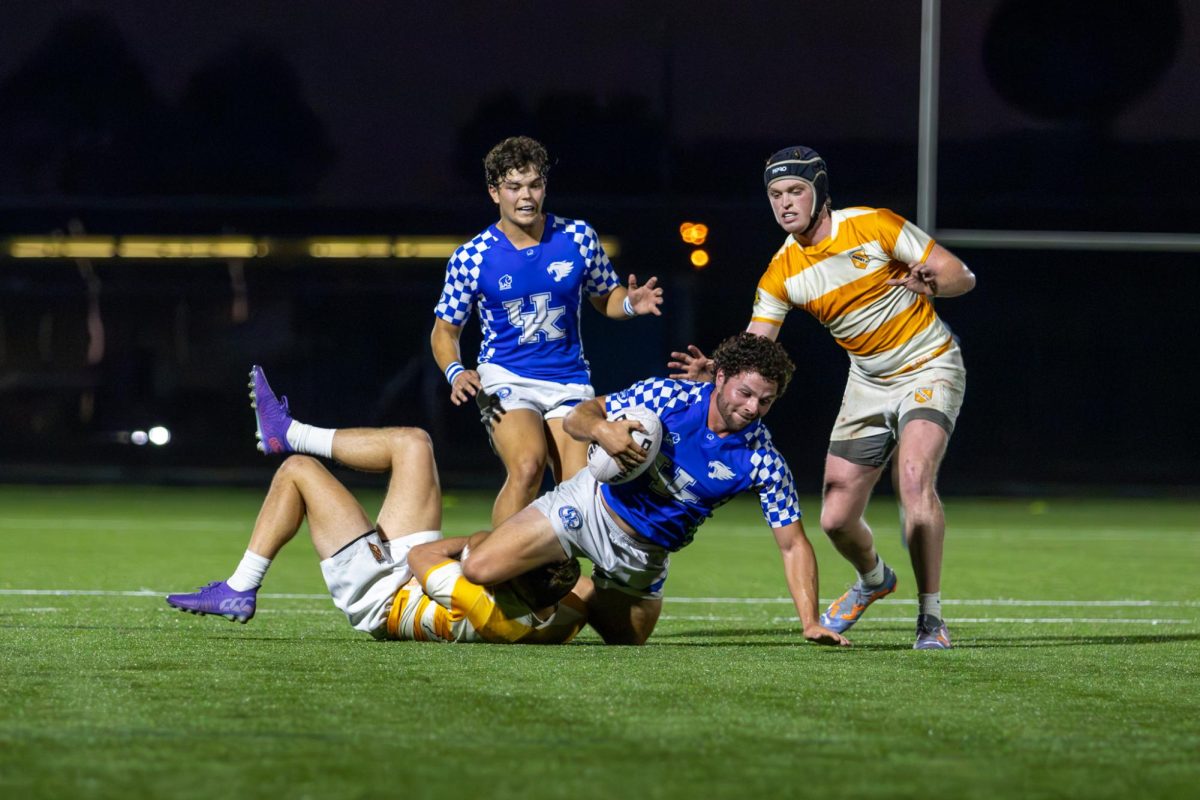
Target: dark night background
{"type": "Point", "coordinates": [295, 119]}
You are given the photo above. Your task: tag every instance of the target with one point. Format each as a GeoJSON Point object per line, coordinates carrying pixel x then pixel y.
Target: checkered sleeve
{"type": "Point", "coordinates": [656, 394]}
{"type": "Point", "coordinates": [462, 281]}
{"type": "Point", "coordinates": [776, 487]}
{"type": "Point", "coordinates": [600, 278]}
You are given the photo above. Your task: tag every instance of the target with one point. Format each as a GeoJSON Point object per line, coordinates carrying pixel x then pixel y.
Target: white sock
{"type": "Point", "coordinates": [873, 576]}
{"type": "Point", "coordinates": [310, 439]}
{"type": "Point", "coordinates": [931, 604]}
{"type": "Point", "coordinates": [249, 573]}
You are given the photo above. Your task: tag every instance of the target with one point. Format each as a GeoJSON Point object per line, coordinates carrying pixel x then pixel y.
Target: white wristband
{"type": "Point", "coordinates": [453, 371]}
{"type": "Point", "coordinates": [628, 306]}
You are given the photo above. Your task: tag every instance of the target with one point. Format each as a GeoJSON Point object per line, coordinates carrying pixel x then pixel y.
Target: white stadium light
{"type": "Point", "coordinates": [159, 435]}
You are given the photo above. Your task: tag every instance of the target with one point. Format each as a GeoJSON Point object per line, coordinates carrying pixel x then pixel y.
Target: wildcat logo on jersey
{"type": "Point", "coordinates": [541, 321]}
{"type": "Point", "coordinates": [505, 282]}
{"type": "Point", "coordinates": [375, 551]}
{"type": "Point", "coordinates": [719, 471]}
{"type": "Point", "coordinates": [560, 269]}
{"type": "Point", "coordinates": [924, 394]}
{"type": "Point", "coordinates": [570, 517]}
{"type": "Point", "coordinates": [860, 258]}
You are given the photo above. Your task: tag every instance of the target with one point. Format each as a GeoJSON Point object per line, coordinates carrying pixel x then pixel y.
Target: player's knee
{"type": "Point", "coordinates": [836, 516]}
{"type": "Point", "coordinates": [409, 440]}
{"type": "Point", "coordinates": [526, 471]}
{"type": "Point", "coordinates": [296, 465]}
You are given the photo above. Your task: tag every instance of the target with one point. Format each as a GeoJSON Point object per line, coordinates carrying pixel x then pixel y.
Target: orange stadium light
{"type": "Point", "coordinates": [693, 232]}
{"type": "Point", "coordinates": [699, 258]}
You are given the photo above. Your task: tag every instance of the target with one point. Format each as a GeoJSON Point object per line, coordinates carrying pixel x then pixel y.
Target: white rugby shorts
{"type": "Point", "coordinates": [549, 399]}
{"type": "Point", "coordinates": [585, 528]}
{"type": "Point", "coordinates": [364, 576]}
{"type": "Point", "coordinates": [875, 410]}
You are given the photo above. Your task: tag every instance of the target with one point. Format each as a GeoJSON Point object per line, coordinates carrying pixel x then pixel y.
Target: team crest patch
{"type": "Point", "coordinates": [503, 392]}
{"type": "Point", "coordinates": [674, 437]}
{"type": "Point", "coordinates": [860, 258]}
{"type": "Point", "coordinates": [570, 517]}
{"type": "Point", "coordinates": [505, 282]}
{"type": "Point", "coordinates": [560, 269]}
{"type": "Point", "coordinates": [375, 551]}
{"type": "Point", "coordinates": [924, 394]}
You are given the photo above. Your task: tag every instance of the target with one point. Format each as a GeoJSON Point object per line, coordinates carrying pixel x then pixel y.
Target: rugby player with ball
{"type": "Point", "coordinates": [712, 445]}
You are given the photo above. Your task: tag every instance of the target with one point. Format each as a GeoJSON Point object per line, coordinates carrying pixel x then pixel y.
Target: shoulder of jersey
{"type": "Point", "coordinates": [481, 242]}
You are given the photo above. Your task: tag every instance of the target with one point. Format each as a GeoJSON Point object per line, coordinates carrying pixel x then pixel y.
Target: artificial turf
{"type": "Point", "coordinates": [1075, 672]}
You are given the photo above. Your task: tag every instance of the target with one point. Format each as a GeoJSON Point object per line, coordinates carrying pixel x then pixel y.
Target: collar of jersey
{"type": "Point", "coordinates": [502, 238]}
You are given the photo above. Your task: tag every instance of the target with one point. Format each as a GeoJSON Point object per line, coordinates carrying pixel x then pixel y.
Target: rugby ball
{"type": "Point", "coordinates": [606, 469]}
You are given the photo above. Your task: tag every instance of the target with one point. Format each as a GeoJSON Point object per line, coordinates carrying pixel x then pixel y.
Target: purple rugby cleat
{"type": "Point", "coordinates": [218, 599]}
{"type": "Point", "coordinates": [932, 633]}
{"type": "Point", "coordinates": [271, 414]}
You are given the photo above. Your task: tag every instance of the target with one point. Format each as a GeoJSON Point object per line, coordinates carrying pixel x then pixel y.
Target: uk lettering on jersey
{"type": "Point", "coordinates": [697, 471]}
{"type": "Point", "coordinates": [446, 607]}
{"type": "Point", "coordinates": [842, 281]}
{"type": "Point", "coordinates": [529, 299]}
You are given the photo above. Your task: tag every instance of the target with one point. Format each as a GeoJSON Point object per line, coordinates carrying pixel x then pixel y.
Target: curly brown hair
{"type": "Point", "coordinates": [515, 153]}
{"type": "Point", "coordinates": [747, 352]}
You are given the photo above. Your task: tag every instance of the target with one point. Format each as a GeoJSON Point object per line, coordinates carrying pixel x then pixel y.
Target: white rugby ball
{"type": "Point", "coordinates": [605, 468]}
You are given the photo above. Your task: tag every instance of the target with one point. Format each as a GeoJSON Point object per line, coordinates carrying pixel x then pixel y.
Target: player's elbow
{"type": "Point", "coordinates": [481, 570]}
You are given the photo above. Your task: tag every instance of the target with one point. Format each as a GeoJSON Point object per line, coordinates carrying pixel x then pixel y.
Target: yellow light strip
{"type": "Point", "coordinates": [167, 247]}
{"type": "Point", "coordinates": [350, 248]}
{"type": "Point", "coordinates": [74, 247]}
{"type": "Point", "coordinates": [193, 247]}
{"type": "Point", "coordinates": [425, 247]}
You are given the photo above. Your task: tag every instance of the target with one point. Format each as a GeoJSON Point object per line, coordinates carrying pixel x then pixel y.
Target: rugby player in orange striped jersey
{"type": "Point", "coordinates": [369, 566]}
{"type": "Point", "coordinates": [870, 277]}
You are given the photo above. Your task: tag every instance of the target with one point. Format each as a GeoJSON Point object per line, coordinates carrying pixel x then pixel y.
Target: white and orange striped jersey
{"type": "Point", "coordinates": [446, 607]}
{"type": "Point", "coordinates": [842, 281]}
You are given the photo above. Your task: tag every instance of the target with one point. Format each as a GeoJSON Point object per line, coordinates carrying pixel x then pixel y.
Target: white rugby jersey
{"type": "Point", "coordinates": [842, 281]}
{"type": "Point", "coordinates": [446, 607]}
{"type": "Point", "coordinates": [529, 299]}
{"type": "Point", "coordinates": [697, 471]}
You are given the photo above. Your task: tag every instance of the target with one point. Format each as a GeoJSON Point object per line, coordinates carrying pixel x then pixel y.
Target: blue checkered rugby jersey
{"type": "Point", "coordinates": [529, 299]}
{"type": "Point", "coordinates": [697, 471]}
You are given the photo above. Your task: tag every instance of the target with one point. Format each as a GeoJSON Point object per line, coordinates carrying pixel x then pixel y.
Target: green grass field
{"type": "Point", "coordinates": [1076, 671]}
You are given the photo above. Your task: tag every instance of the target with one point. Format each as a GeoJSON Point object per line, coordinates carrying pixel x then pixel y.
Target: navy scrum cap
{"type": "Point", "coordinates": [802, 163]}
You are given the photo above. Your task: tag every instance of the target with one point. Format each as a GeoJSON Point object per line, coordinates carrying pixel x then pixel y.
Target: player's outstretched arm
{"type": "Point", "coordinates": [443, 340]}
{"type": "Point", "coordinates": [634, 301]}
{"type": "Point", "coordinates": [800, 569]}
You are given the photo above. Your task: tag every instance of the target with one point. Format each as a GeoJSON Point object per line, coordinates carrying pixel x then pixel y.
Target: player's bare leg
{"type": "Point", "coordinates": [414, 497]}
{"type": "Point", "coordinates": [918, 456]}
{"type": "Point", "coordinates": [567, 454]}
{"type": "Point", "coordinates": [847, 489]}
{"type": "Point", "coordinates": [621, 618]}
{"type": "Point", "coordinates": [301, 487]}
{"type": "Point", "coordinates": [522, 542]}
{"type": "Point", "coordinates": [519, 438]}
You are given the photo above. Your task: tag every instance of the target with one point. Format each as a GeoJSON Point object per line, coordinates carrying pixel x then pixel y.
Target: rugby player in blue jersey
{"type": "Point", "coordinates": [714, 447]}
{"type": "Point", "coordinates": [527, 275]}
